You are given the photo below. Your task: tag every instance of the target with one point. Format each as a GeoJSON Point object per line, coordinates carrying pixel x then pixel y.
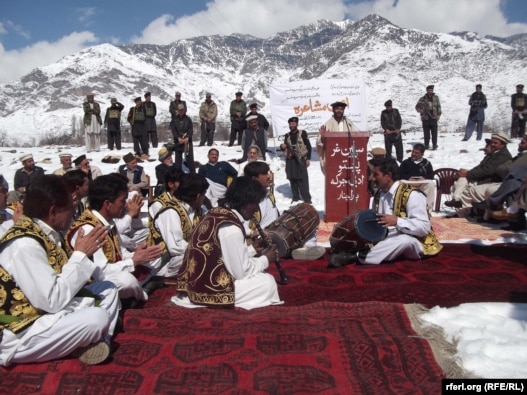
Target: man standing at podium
{"type": "Point", "coordinates": [337, 123]}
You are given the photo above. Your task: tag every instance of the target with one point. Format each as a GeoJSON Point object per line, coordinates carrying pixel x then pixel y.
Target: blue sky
{"type": "Point", "coordinates": [35, 33]}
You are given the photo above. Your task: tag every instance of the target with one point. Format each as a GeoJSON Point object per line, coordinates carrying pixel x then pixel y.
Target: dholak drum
{"type": "Point", "coordinates": [357, 231]}
{"type": "Point", "coordinates": [291, 230]}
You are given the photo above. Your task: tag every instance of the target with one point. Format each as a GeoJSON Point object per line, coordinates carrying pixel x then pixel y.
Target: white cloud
{"type": "Point", "coordinates": [16, 63]}
{"type": "Point", "coordinates": [257, 18]}
{"type": "Point", "coordinates": [85, 15]}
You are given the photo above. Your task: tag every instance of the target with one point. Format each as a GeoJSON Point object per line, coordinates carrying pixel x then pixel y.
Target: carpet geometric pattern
{"type": "Point", "coordinates": [340, 331]}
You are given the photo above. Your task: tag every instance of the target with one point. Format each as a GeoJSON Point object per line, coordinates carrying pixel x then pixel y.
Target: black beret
{"type": "Point", "coordinates": [79, 159]}
{"type": "Point", "coordinates": [387, 103]}
{"type": "Point", "coordinates": [292, 119]}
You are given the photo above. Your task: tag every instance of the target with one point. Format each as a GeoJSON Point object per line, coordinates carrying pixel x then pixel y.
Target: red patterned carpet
{"type": "Point", "coordinates": [340, 331]}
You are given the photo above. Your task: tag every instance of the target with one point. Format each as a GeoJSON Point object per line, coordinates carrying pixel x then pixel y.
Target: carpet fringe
{"type": "Point", "coordinates": [444, 351]}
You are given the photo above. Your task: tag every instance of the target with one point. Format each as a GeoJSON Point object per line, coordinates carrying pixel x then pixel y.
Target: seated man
{"type": "Point", "coordinates": [81, 184]}
{"type": "Point", "coordinates": [418, 172]}
{"type": "Point", "coordinates": [134, 173]}
{"type": "Point", "coordinates": [65, 161]}
{"type": "Point", "coordinates": [173, 216]}
{"type": "Point", "coordinates": [515, 212]}
{"type": "Point", "coordinates": [50, 309]}
{"type": "Point", "coordinates": [252, 155]}
{"type": "Point", "coordinates": [107, 197]}
{"type": "Point", "coordinates": [480, 182]}
{"type": "Point", "coordinates": [402, 210]}
{"type": "Point", "coordinates": [130, 227]}
{"type": "Point", "coordinates": [219, 268]}
{"type": "Point", "coordinates": [167, 162]}
{"type": "Point", "coordinates": [82, 163]}
{"type": "Point", "coordinates": [217, 174]}
{"type": "Point", "coordinates": [267, 212]}
{"type": "Point", "coordinates": [25, 176]}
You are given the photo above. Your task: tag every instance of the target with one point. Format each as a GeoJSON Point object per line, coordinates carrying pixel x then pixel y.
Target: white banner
{"type": "Point", "coordinates": [311, 101]}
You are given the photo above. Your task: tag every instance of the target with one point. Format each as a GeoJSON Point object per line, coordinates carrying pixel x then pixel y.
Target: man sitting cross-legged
{"type": "Point", "coordinates": [173, 216]}
{"type": "Point", "coordinates": [49, 309]}
{"type": "Point", "coordinates": [127, 270]}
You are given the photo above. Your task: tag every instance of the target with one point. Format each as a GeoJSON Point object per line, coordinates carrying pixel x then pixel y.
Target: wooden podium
{"type": "Point", "coordinates": [346, 185]}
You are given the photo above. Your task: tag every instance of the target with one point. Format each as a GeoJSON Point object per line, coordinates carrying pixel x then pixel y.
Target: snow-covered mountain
{"type": "Point", "coordinates": [395, 64]}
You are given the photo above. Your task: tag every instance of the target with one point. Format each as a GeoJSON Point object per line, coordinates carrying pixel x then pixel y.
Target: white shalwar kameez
{"type": "Point", "coordinates": [168, 224]}
{"type": "Point", "coordinates": [253, 288]}
{"type": "Point", "coordinates": [71, 322]}
{"type": "Point", "coordinates": [92, 134]}
{"type": "Point", "coordinates": [401, 240]}
{"type": "Point", "coordinates": [120, 273]}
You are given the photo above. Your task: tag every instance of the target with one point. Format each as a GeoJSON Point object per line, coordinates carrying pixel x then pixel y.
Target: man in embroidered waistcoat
{"type": "Point", "coordinates": [92, 123]}
{"type": "Point", "coordinates": [48, 311]}
{"type": "Point", "coordinates": [219, 268]}
{"type": "Point", "coordinates": [267, 212]}
{"type": "Point", "coordinates": [112, 122]}
{"type": "Point", "coordinates": [298, 158]}
{"type": "Point", "coordinates": [127, 270]}
{"type": "Point", "coordinates": [401, 209]}
{"type": "Point", "coordinates": [173, 216]}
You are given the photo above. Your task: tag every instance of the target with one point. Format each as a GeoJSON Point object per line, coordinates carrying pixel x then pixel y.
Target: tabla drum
{"type": "Point", "coordinates": [356, 232]}
{"type": "Point", "coordinates": [291, 230]}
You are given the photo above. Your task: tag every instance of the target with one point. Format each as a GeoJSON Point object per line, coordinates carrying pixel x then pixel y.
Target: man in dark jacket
{"type": "Point", "coordinates": [429, 107]}
{"type": "Point", "coordinates": [476, 116]}
{"type": "Point", "coordinates": [262, 120]}
{"type": "Point", "coordinates": [253, 135]}
{"type": "Point", "coordinates": [391, 125]}
{"type": "Point", "coordinates": [112, 122]}
{"type": "Point", "coordinates": [418, 172]}
{"type": "Point", "coordinates": [150, 119]}
{"type": "Point", "coordinates": [136, 119]}
{"type": "Point", "coordinates": [519, 112]}
{"type": "Point", "coordinates": [182, 131]}
{"type": "Point", "coordinates": [237, 111]}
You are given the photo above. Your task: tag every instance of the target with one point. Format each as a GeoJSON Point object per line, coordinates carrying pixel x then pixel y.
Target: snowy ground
{"type": "Point", "coordinates": [492, 336]}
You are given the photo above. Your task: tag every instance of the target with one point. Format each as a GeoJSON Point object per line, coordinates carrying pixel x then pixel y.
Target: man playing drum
{"type": "Point", "coordinates": [402, 210]}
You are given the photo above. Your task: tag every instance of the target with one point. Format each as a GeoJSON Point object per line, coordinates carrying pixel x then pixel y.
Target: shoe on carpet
{"type": "Point", "coordinates": [503, 215]}
{"type": "Point", "coordinates": [453, 203]}
{"type": "Point", "coordinates": [342, 259]}
{"type": "Point", "coordinates": [94, 353]}
{"type": "Point", "coordinates": [308, 253]}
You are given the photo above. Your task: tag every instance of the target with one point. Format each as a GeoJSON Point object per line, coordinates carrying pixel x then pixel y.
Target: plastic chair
{"type": "Point", "coordinates": [445, 179]}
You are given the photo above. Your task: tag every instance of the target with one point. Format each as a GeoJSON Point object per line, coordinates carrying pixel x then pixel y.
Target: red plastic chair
{"type": "Point", "coordinates": [445, 179]}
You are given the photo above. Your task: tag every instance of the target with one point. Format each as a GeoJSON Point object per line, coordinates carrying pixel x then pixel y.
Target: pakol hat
{"type": "Point", "coordinates": [25, 157]}
{"type": "Point", "coordinates": [251, 118]}
{"type": "Point", "coordinates": [498, 136]}
{"type": "Point", "coordinates": [128, 157]}
{"type": "Point", "coordinates": [180, 106]}
{"type": "Point", "coordinates": [65, 155]}
{"type": "Point", "coordinates": [292, 119]}
{"type": "Point", "coordinates": [519, 86]}
{"type": "Point", "coordinates": [163, 154]}
{"type": "Point", "coordinates": [208, 94]}
{"type": "Point", "coordinates": [388, 103]}
{"type": "Point", "coordinates": [90, 94]}
{"type": "Point", "coordinates": [339, 104]}
{"type": "Point", "coordinates": [79, 159]}
{"type": "Point", "coordinates": [378, 151]}
{"type": "Point", "coordinates": [138, 98]}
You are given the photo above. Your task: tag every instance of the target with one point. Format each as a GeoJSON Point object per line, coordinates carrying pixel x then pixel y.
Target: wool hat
{"type": "Point", "coordinates": [148, 94]}
{"type": "Point", "coordinates": [388, 103]}
{"type": "Point", "coordinates": [25, 157]}
{"type": "Point", "coordinates": [128, 157]}
{"type": "Point", "coordinates": [430, 87]}
{"type": "Point", "coordinates": [498, 136]}
{"type": "Point", "coordinates": [519, 86]}
{"type": "Point", "coordinates": [339, 104]}
{"type": "Point", "coordinates": [378, 151]}
{"type": "Point", "coordinates": [90, 94]}
{"type": "Point", "coordinates": [292, 119]}
{"type": "Point", "coordinates": [239, 94]}
{"type": "Point", "coordinates": [137, 99]}
{"type": "Point", "coordinates": [251, 117]}
{"type": "Point", "coordinates": [79, 159]}
{"type": "Point", "coordinates": [163, 153]}
{"type": "Point", "coordinates": [65, 155]}
{"type": "Point", "coordinates": [254, 105]}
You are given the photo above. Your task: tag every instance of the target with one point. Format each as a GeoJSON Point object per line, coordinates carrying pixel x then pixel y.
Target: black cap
{"type": "Point", "coordinates": [388, 103]}
{"type": "Point", "coordinates": [254, 105]}
{"type": "Point", "coordinates": [148, 94]}
{"type": "Point", "coordinates": [292, 119]}
{"type": "Point", "coordinates": [339, 104]}
{"type": "Point", "coordinates": [519, 86]}
{"type": "Point", "coordinates": [430, 87]}
{"type": "Point", "coordinates": [79, 159]}
{"type": "Point", "coordinates": [239, 93]}
{"type": "Point", "coordinates": [137, 99]}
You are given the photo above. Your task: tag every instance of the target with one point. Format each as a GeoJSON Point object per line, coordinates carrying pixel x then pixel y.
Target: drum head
{"type": "Point", "coordinates": [368, 228]}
